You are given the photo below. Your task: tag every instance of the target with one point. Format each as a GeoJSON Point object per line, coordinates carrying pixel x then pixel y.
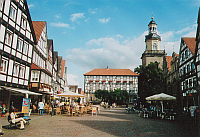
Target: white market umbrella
{"type": "Point", "coordinates": [161, 97]}
{"type": "Point", "coordinates": [70, 94]}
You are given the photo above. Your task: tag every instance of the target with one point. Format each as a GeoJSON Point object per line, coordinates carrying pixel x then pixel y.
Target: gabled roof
{"type": "Point", "coordinates": [113, 72]}
{"type": "Point", "coordinates": [191, 43]}
{"type": "Point", "coordinates": [38, 28]}
{"type": "Point", "coordinates": [169, 59]}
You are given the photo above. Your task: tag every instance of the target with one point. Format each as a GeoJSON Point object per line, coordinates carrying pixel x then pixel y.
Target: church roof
{"type": "Point", "coordinates": [191, 43]}
{"type": "Point", "coordinates": [111, 72]}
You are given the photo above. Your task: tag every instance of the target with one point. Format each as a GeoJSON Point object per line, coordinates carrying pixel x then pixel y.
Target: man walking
{"type": "Point", "coordinates": [41, 107]}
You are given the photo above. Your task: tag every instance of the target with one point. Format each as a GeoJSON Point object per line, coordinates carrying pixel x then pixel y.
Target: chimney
{"type": "Point", "coordinates": [107, 67]}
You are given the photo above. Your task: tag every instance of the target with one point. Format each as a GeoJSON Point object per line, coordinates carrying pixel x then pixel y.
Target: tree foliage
{"type": "Point", "coordinates": [150, 80]}
{"type": "Point", "coordinates": [118, 96]}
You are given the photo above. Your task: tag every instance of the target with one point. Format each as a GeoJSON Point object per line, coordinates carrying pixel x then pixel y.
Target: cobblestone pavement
{"type": "Point", "coordinates": [108, 123]}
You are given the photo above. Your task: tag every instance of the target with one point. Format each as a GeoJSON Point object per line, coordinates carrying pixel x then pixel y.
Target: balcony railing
{"type": "Point", "coordinates": [154, 51]}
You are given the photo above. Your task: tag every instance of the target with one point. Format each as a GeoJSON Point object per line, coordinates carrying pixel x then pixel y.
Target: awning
{"type": "Point", "coordinates": [23, 91]}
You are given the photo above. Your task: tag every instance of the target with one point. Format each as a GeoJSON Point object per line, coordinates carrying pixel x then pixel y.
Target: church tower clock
{"type": "Point", "coordinates": [152, 52]}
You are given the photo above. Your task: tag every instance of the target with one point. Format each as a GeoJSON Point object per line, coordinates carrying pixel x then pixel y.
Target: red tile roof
{"type": "Point", "coordinates": [113, 72]}
{"type": "Point", "coordinates": [38, 28]}
{"type": "Point", "coordinates": [63, 68]}
{"type": "Point", "coordinates": [33, 66]}
{"type": "Point", "coordinates": [191, 43]}
{"type": "Point", "coordinates": [169, 59]}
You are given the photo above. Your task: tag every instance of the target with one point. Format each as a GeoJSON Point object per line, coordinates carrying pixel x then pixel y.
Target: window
{"type": "Point", "coordinates": [16, 69]}
{"type": "Point", "coordinates": [190, 83]}
{"type": "Point", "coordinates": [19, 45]}
{"type": "Point", "coordinates": [25, 48]}
{"type": "Point", "coordinates": [118, 78]}
{"type": "Point", "coordinates": [23, 22]}
{"type": "Point", "coordinates": [97, 77]}
{"type": "Point", "coordinates": [3, 65]}
{"type": "Point", "coordinates": [111, 78]}
{"type": "Point", "coordinates": [91, 77]}
{"type": "Point", "coordinates": [183, 57]}
{"type": "Point", "coordinates": [154, 46]}
{"type": "Point", "coordinates": [192, 65]}
{"type": "Point", "coordinates": [184, 70]}
{"type": "Point", "coordinates": [12, 12]}
{"type": "Point", "coordinates": [104, 77]}
{"type": "Point", "coordinates": [181, 72]}
{"type": "Point", "coordinates": [194, 82]}
{"type": "Point", "coordinates": [186, 84]}
{"type": "Point", "coordinates": [188, 68]}
{"type": "Point", "coordinates": [21, 71]}
{"type": "Point", "coordinates": [186, 54]}
{"type": "Point", "coordinates": [34, 76]}
{"type": "Point", "coordinates": [8, 38]}
{"type": "Point", "coordinates": [1, 3]}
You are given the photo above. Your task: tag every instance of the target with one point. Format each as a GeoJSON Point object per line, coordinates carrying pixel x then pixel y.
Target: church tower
{"type": "Point", "coordinates": [153, 53]}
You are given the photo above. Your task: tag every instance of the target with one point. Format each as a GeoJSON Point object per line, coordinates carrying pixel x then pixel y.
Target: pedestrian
{"type": "Point", "coordinates": [15, 119]}
{"type": "Point", "coordinates": [41, 107]}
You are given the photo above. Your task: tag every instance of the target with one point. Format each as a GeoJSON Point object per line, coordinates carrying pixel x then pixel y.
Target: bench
{"type": "Point", "coordinates": [16, 124]}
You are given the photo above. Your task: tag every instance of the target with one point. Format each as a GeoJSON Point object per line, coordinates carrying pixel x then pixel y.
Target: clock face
{"type": "Point", "coordinates": [154, 35]}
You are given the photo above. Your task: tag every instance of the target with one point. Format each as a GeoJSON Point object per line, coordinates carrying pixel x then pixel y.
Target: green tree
{"type": "Point", "coordinates": [118, 96]}
{"type": "Point", "coordinates": [102, 94]}
{"type": "Point", "coordinates": [150, 80]}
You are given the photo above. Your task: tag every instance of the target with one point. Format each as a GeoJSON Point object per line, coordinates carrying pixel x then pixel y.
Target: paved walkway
{"type": "Point", "coordinates": [109, 123]}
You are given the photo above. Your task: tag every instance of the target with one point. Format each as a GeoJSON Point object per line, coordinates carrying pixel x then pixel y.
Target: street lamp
{"type": "Point", "coordinates": [53, 83]}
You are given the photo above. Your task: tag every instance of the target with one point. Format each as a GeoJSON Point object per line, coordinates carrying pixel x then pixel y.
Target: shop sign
{"type": "Point", "coordinates": [26, 105]}
{"type": "Point", "coordinates": [34, 85]}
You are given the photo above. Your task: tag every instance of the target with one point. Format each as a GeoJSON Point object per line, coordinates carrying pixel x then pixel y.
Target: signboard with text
{"type": "Point", "coordinates": [26, 105]}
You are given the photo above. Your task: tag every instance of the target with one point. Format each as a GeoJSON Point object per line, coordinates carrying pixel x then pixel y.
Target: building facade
{"type": "Point", "coordinates": [197, 57]}
{"type": "Point", "coordinates": [111, 79]}
{"type": "Point", "coordinates": [153, 52]}
{"type": "Point", "coordinates": [16, 47]}
{"type": "Point", "coordinates": [187, 72]}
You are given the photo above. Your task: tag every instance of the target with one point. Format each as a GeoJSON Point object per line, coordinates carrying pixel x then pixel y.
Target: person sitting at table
{"type": "Point", "coordinates": [15, 119]}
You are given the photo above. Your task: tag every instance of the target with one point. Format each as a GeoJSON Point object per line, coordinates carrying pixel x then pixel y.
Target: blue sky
{"type": "Point", "coordinates": [92, 34]}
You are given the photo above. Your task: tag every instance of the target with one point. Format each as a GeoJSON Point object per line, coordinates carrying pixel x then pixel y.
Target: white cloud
{"type": "Point", "coordinates": [104, 20]}
{"type": "Point", "coordinates": [119, 36]}
{"type": "Point", "coordinates": [31, 6]}
{"type": "Point", "coordinates": [167, 36]}
{"type": "Point", "coordinates": [76, 16]}
{"type": "Point", "coordinates": [187, 29]}
{"type": "Point", "coordinates": [110, 52]}
{"type": "Point", "coordinates": [93, 11]}
{"type": "Point", "coordinates": [71, 79]}
{"type": "Point", "coordinates": [86, 20]}
{"type": "Point", "coordinates": [58, 16]}
{"type": "Point", "coordinates": [62, 25]}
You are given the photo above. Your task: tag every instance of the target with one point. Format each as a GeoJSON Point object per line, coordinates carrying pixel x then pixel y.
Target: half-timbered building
{"type": "Point", "coordinates": [17, 39]}
{"type": "Point", "coordinates": [111, 79]}
{"type": "Point", "coordinates": [187, 73]}
{"type": "Point", "coordinates": [197, 57]}
{"type": "Point", "coordinates": [41, 72]}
